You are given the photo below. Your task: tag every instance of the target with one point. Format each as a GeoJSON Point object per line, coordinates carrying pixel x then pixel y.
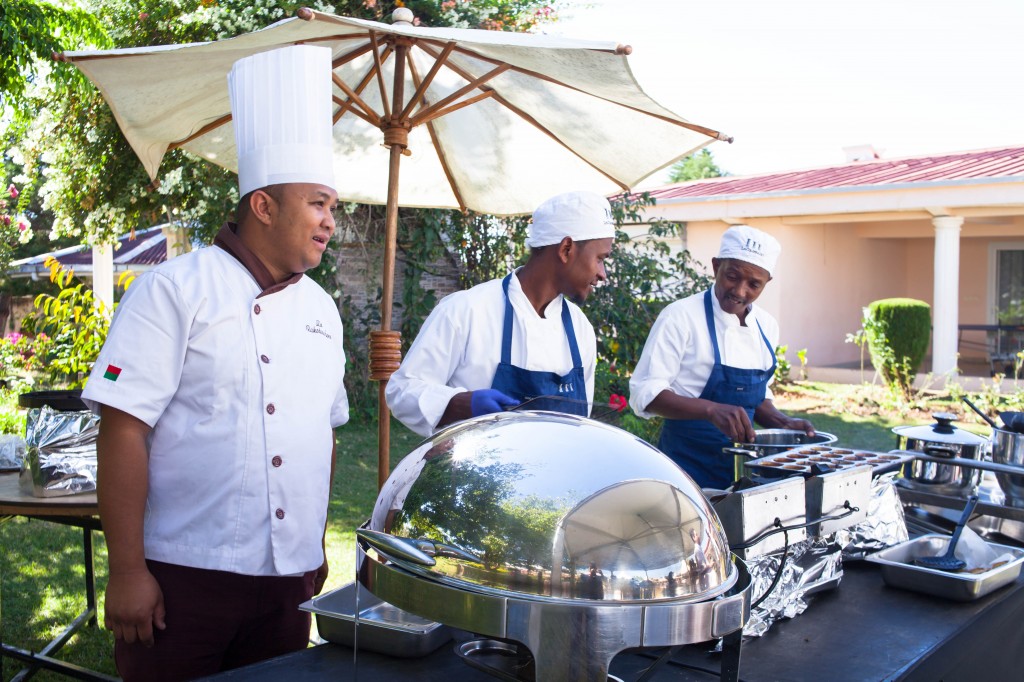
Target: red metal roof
{"type": "Point", "coordinates": [985, 163]}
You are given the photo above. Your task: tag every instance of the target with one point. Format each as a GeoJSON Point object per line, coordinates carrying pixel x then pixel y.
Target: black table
{"type": "Point", "coordinates": [863, 630]}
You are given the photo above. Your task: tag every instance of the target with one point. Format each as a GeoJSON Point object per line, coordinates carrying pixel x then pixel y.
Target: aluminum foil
{"type": "Point", "coordinates": [812, 565]}
{"type": "Point", "coordinates": [61, 452]}
{"type": "Point", "coordinates": [884, 526]}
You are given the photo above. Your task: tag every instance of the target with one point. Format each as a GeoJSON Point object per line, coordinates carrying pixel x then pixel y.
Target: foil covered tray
{"type": "Point", "coordinates": [382, 627]}
{"type": "Point", "coordinates": [822, 459]}
{"type": "Point", "coordinates": [899, 570]}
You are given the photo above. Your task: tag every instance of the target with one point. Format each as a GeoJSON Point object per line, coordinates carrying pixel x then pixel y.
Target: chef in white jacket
{"type": "Point", "coordinates": [219, 388]}
{"type": "Point", "coordinates": [708, 361]}
{"type": "Point", "coordinates": [518, 338]}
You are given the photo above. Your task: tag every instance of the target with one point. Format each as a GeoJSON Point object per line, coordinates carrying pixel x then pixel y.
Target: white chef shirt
{"type": "Point", "coordinates": [459, 347]}
{"type": "Point", "coordinates": [679, 356]}
{"type": "Point", "coordinates": [242, 394]}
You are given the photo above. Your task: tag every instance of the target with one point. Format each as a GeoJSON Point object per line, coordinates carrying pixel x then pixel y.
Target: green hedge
{"type": "Point", "coordinates": [898, 333]}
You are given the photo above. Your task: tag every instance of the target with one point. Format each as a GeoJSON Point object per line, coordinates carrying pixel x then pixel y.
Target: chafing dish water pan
{"type": "Point", "coordinates": [899, 570]}
{"type": "Point", "coordinates": [383, 628]}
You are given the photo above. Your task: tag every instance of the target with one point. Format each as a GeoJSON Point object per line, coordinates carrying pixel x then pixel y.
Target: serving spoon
{"type": "Point", "coordinates": [948, 562]}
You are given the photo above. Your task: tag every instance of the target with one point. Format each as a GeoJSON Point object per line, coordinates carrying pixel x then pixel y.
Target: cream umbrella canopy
{"type": "Point", "coordinates": [490, 121]}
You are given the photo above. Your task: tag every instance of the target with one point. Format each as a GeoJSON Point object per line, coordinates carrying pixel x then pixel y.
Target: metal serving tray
{"type": "Point", "coordinates": [818, 459]}
{"type": "Point", "coordinates": [383, 628]}
{"type": "Point", "coordinates": [899, 570]}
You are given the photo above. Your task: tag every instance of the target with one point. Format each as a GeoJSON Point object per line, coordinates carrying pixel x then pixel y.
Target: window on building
{"type": "Point", "coordinates": [1009, 290]}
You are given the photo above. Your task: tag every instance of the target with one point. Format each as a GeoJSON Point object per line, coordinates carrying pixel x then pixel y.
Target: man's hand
{"type": "Point", "coordinates": [133, 606]}
{"type": "Point", "coordinates": [800, 425]}
{"type": "Point", "coordinates": [321, 577]}
{"type": "Point", "coordinates": [732, 421]}
{"type": "Point", "coordinates": [488, 401]}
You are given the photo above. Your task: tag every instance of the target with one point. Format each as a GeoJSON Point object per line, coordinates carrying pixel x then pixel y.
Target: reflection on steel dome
{"type": "Point", "coordinates": [552, 506]}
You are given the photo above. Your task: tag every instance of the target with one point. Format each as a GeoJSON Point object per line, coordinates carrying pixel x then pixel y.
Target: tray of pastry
{"type": "Point", "coordinates": [822, 459]}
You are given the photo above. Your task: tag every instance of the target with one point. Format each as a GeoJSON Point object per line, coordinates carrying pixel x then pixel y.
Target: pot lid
{"type": "Point", "coordinates": [551, 506]}
{"type": "Point", "coordinates": [942, 431]}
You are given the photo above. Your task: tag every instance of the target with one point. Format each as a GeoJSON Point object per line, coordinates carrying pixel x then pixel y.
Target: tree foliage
{"type": "Point", "coordinates": [696, 166]}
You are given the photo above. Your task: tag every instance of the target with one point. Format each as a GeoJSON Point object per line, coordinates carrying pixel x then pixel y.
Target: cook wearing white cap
{"type": "Point", "coordinates": [709, 359]}
{"type": "Point", "coordinates": [220, 385]}
{"type": "Point", "coordinates": [514, 339]}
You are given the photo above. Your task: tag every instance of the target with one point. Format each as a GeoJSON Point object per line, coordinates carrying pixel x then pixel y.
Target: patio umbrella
{"type": "Point", "coordinates": [490, 121]}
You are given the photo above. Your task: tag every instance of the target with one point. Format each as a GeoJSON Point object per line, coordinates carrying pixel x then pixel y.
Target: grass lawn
{"type": "Point", "coordinates": [43, 578]}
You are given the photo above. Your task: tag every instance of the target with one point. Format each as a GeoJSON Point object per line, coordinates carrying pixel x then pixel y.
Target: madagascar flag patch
{"type": "Point", "coordinates": [112, 373]}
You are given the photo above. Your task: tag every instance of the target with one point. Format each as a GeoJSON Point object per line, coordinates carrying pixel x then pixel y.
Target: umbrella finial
{"type": "Point", "coordinates": [402, 16]}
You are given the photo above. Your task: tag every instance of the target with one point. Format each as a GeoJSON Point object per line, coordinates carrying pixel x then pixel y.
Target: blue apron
{"type": "Point", "coordinates": [696, 444]}
{"type": "Point", "coordinates": [523, 384]}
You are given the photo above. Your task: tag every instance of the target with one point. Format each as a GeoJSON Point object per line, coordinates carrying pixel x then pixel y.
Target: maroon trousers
{"type": "Point", "coordinates": [217, 621]}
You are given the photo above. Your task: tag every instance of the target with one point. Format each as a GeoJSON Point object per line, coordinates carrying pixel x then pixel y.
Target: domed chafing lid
{"type": "Point", "coordinates": [942, 431]}
{"type": "Point", "coordinates": [552, 506]}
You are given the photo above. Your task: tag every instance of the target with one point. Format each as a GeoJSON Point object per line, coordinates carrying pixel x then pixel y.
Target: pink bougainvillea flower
{"type": "Point", "coordinates": [13, 191]}
{"type": "Point", "coordinates": [617, 402]}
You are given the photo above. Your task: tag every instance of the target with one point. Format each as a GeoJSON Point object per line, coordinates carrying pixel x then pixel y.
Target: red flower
{"type": "Point", "coordinates": [617, 402]}
{"type": "Point", "coordinates": [13, 191]}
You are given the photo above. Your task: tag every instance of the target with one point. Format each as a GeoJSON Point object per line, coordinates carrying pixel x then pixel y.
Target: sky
{"type": "Point", "coordinates": [796, 81]}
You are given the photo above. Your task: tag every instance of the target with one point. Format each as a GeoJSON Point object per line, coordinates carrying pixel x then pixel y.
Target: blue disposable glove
{"type": "Point", "coordinates": [488, 400]}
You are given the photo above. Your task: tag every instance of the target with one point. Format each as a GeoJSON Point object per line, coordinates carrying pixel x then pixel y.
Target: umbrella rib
{"type": "Point", "coordinates": [380, 76]}
{"type": "Point", "coordinates": [354, 96]}
{"type": "Point", "coordinates": [534, 122]}
{"type": "Point", "coordinates": [526, 117]}
{"type": "Point", "coordinates": [421, 88]}
{"type": "Point", "coordinates": [433, 136]}
{"type": "Point", "coordinates": [345, 107]}
{"type": "Point", "coordinates": [527, 72]}
{"type": "Point", "coordinates": [438, 113]}
{"type": "Point", "coordinates": [202, 131]}
{"type": "Point", "coordinates": [426, 114]}
{"type": "Point", "coordinates": [359, 89]}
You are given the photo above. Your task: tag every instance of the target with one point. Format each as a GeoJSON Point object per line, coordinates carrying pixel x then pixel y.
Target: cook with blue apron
{"type": "Point", "coordinates": [709, 395]}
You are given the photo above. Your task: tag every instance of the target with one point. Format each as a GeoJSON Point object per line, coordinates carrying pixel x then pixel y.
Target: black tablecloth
{"type": "Point", "coordinates": [863, 630]}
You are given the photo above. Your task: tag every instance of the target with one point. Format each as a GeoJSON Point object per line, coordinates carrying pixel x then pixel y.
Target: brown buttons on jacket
{"type": "Point", "coordinates": [277, 461]}
{"type": "Point", "coordinates": [256, 309]}
{"type": "Point", "coordinates": [264, 358]}
{"type": "Point", "coordinates": [271, 409]}
{"type": "Point", "coordinates": [279, 513]}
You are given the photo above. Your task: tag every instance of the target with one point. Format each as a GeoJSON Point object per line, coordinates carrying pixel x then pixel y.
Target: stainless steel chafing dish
{"type": "Point", "coordinates": [571, 537]}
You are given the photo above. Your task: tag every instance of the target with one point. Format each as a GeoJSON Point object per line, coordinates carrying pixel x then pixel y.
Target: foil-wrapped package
{"type": "Point", "coordinates": [12, 452]}
{"type": "Point", "coordinates": [885, 524]}
{"type": "Point", "coordinates": [812, 565]}
{"type": "Point", "coordinates": [61, 452]}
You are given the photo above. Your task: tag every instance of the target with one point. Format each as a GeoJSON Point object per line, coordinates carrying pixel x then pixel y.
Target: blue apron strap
{"type": "Point", "coordinates": [771, 351]}
{"type": "Point", "coordinates": [506, 334]}
{"type": "Point", "coordinates": [709, 315]}
{"type": "Point", "coordinates": [570, 333]}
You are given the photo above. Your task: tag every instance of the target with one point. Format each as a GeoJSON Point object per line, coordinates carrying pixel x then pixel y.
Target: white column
{"type": "Point", "coordinates": [946, 298]}
{"type": "Point", "coordinates": [103, 275]}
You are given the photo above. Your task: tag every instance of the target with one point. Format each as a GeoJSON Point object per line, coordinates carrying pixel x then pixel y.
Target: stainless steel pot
{"type": "Point", "coordinates": [1008, 448]}
{"type": "Point", "coordinates": [771, 441]}
{"type": "Point", "coordinates": [572, 537]}
{"type": "Point", "coordinates": [944, 440]}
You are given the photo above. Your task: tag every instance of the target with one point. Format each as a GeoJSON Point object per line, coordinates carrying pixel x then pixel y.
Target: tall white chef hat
{"type": "Point", "coordinates": [281, 108]}
{"type": "Point", "coordinates": [580, 215]}
{"type": "Point", "coordinates": [750, 245]}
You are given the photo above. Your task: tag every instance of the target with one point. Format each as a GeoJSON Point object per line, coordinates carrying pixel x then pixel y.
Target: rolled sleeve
{"type": "Point", "coordinates": [660, 362]}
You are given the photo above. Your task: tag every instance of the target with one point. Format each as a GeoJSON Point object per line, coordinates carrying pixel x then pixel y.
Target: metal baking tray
{"type": "Point", "coordinates": [382, 628]}
{"type": "Point", "coordinates": [899, 570]}
{"type": "Point", "coordinates": [818, 459]}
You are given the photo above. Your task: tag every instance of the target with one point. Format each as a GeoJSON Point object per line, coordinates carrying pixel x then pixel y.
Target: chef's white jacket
{"type": "Point", "coordinates": [459, 347]}
{"type": "Point", "coordinates": [679, 356]}
{"type": "Point", "coordinates": [242, 394]}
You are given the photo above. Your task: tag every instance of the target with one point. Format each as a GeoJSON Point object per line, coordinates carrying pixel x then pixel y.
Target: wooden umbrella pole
{"type": "Point", "coordinates": [385, 348]}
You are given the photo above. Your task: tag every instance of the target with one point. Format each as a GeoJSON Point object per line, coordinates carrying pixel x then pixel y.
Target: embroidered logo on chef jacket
{"type": "Point", "coordinates": [112, 373]}
{"type": "Point", "coordinates": [565, 388]}
{"type": "Point", "coordinates": [318, 328]}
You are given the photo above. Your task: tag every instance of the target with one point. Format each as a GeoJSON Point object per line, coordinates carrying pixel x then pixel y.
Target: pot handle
{"type": "Point", "coordinates": [940, 451]}
{"type": "Point", "coordinates": [731, 452]}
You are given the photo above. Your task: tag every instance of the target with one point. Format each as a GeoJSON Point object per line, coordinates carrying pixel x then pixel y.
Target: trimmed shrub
{"type": "Point", "coordinates": [898, 331]}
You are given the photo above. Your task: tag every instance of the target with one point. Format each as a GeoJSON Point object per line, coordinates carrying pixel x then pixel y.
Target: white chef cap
{"type": "Point", "coordinates": [750, 245]}
{"type": "Point", "coordinates": [580, 215]}
{"type": "Point", "coordinates": [281, 109]}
